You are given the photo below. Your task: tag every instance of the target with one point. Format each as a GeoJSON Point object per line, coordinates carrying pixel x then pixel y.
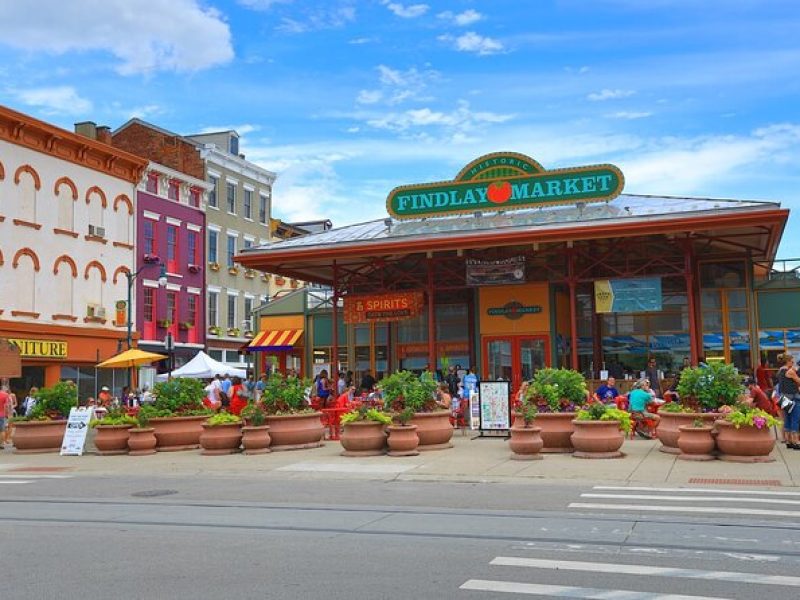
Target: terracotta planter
{"type": "Point", "coordinates": [112, 439]}
{"type": "Point", "coordinates": [434, 430]}
{"type": "Point", "coordinates": [221, 439]}
{"type": "Point", "coordinates": [597, 439]}
{"type": "Point", "coordinates": [363, 438]}
{"type": "Point", "coordinates": [556, 431]}
{"type": "Point", "coordinates": [525, 442]}
{"type": "Point", "coordinates": [746, 444]}
{"type": "Point", "coordinates": [38, 437]}
{"type": "Point", "coordinates": [696, 443]}
{"type": "Point", "coordinates": [256, 439]}
{"type": "Point", "coordinates": [141, 441]}
{"type": "Point", "coordinates": [177, 433]}
{"type": "Point", "coordinates": [403, 440]}
{"type": "Point", "coordinates": [668, 432]}
{"type": "Point", "coordinates": [295, 432]}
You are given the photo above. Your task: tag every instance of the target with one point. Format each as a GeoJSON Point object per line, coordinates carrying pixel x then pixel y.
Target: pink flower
{"type": "Point", "coordinates": [759, 422]}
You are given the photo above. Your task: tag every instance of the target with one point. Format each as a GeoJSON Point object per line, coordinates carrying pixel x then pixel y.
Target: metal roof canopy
{"type": "Point", "coordinates": [622, 228]}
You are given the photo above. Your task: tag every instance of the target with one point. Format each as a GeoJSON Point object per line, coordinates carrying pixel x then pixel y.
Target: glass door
{"type": "Point", "coordinates": [514, 358]}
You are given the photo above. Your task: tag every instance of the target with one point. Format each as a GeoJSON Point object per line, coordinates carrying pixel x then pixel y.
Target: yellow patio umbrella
{"type": "Point", "coordinates": [130, 358]}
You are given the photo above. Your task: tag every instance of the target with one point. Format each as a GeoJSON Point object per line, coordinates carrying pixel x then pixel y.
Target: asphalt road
{"type": "Point", "coordinates": [199, 537]}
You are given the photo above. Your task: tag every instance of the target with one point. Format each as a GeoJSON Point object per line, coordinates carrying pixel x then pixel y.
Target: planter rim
{"type": "Point", "coordinates": [401, 427]}
{"type": "Point", "coordinates": [690, 414]}
{"type": "Point", "coordinates": [692, 428]}
{"type": "Point", "coordinates": [141, 429]}
{"type": "Point", "coordinates": [254, 427]}
{"type": "Point", "coordinates": [361, 423]}
{"type": "Point", "coordinates": [177, 418]}
{"type": "Point", "coordinates": [295, 415]}
{"type": "Point", "coordinates": [725, 423]}
{"type": "Point", "coordinates": [123, 426]}
{"type": "Point", "coordinates": [435, 413]}
{"type": "Point", "coordinates": [595, 423]}
{"type": "Point", "coordinates": [532, 428]}
{"type": "Point", "coordinates": [207, 426]}
{"type": "Point", "coordinates": [552, 415]}
{"type": "Point", "coordinates": [35, 423]}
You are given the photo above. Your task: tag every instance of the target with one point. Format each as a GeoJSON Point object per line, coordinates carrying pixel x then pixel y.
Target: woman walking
{"type": "Point", "coordinates": [789, 386]}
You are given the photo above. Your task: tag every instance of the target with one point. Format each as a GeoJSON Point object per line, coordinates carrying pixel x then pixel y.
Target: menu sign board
{"type": "Point", "coordinates": [77, 428]}
{"type": "Point", "coordinates": [627, 295]}
{"type": "Point", "coordinates": [374, 308]}
{"type": "Point", "coordinates": [495, 400]}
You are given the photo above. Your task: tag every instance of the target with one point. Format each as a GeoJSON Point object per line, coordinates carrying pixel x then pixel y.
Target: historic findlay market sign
{"type": "Point", "coordinates": [505, 181]}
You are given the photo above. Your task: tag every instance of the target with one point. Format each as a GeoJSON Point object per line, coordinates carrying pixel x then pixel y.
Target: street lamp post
{"type": "Point", "coordinates": [162, 281]}
{"type": "Point", "coordinates": [245, 328]}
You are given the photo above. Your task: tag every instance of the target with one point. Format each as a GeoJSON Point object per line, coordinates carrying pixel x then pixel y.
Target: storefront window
{"type": "Point", "coordinates": [413, 330]}
{"type": "Point", "coordinates": [724, 311]}
{"type": "Point", "coordinates": [452, 322]}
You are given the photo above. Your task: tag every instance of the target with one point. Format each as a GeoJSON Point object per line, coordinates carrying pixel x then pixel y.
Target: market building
{"type": "Point", "coordinates": [66, 244]}
{"type": "Point", "coordinates": [510, 267]}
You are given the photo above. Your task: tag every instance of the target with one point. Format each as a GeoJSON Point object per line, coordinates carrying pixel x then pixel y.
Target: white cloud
{"type": "Point", "coordinates": [630, 115]}
{"type": "Point", "coordinates": [369, 96]}
{"type": "Point", "coordinates": [460, 121]}
{"type": "Point", "coordinates": [262, 4]}
{"type": "Point", "coordinates": [472, 42]}
{"type": "Point", "coordinates": [145, 35]}
{"type": "Point", "coordinates": [55, 100]}
{"type": "Point", "coordinates": [468, 17]}
{"type": "Point", "coordinates": [607, 94]}
{"type": "Point", "coordinates": [361, 40]}
{"type": "Point", "coordinates": [410, 11]}
{"type": "Point", "coordinates": [318, 20]}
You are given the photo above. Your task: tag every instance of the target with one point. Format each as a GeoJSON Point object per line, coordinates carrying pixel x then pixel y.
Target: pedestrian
{"type": "Point", "coordinates": [5, 414]}
{"type": "Point", "coordinates": [341, 384]}
{"type": "Point", "coordinates": [367, 382]}
{"type": "Point", "coordinates": [30, 402]}
{"type": "Point", "coordinates": [471, 382]}
{"type": "Point", "coordinates": [452, 380]}
{"type": "Point", "coordinates": [250, 386]}
{"type": "Point", "coordinates": [323, 388]}
{"type": "Point", "coordinates": [226, 384]}
{"type": "Point", "coordinates": [238, 396]}
{"type": "Point", "coordinates": [443, 397]}
{"type": "Point", "coordinates": [789, 384]}
{"type": "Point", "coordinates": [652, 375]}
{"type": "Point", "coordinates": [260, 385]}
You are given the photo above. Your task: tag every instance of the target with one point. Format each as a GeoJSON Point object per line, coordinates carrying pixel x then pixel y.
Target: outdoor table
{"type": "Point", "coordinates": [334, 416]}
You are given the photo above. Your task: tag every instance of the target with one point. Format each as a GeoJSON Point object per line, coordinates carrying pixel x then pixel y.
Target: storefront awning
{"type": "Point", "coordinates": [275, 339]}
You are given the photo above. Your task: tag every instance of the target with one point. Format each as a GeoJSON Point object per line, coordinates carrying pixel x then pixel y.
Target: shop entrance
{"type": "Point", "coordinates": [514, 358]}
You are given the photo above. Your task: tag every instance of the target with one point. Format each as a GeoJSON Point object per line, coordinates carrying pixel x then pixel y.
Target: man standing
{"type": "Point", "coordinates": [470, 382]}
{"type": "Point", "coordinates": [260, 385]}
{"type": "Point", "coordinates": [651, 373]}
{"type": "Point", "coordinates": [5, 410]}
{"type": "Point", "coordinates": [452, 381]}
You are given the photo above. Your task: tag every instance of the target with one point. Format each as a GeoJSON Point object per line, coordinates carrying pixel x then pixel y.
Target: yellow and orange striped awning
{"type": "Point", "coordinates": [275, 339]}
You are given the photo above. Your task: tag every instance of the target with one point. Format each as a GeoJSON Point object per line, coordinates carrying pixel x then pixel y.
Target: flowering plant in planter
{"type": "Point", "coordinates": [214, 330]}
{"type": "Point", "coordinates": [150, 258]}
{"type": "Point", "coordinates": [114, 417]}
{"type": "Point", "coordinates": [178, 397]}
{"type": "Point", "coordinates": [164, 323]}
{"type": "Point", "coordinates": [707, 388]}
{"type": "Point", "coordinates": [528, 412]}
{"type": "Point", "coordinates": [194, 268]}
{"type": "Point", "coordinates": [597, 411]}
{"type": "Point", "coordinates": [745, 416]}
{"type": "Point", "coordinates": [253, 414]}
{"type": "Point", "coordinates": [223, 418]}
{"type": "Point", "coordinates": [214, 266]}
{"type": "Point", "coordinates": [186, 325]}
{"type": "Point", "coordinates": [557, 390]}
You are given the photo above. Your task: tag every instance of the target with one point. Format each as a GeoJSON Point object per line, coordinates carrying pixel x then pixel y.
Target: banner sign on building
{"type": "Point", "coordinates": [627, 295]}
{"type": "Point", "coordinates": [10, 359]}
{"type": "Point", "coordinates": [40, 348]}
{"type": "Point", "coordinates": [496, 272]}
{"type": "Point", "coordinates": [505, 181]}
{"type": "Point", "coordinates": [77, 429]}
{"type": "Point", "coordinates": [374, 308]}
{"type": "Point", "coordinates": [121, 313]}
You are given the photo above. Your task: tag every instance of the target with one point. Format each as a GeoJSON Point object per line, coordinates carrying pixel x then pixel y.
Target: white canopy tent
{"type": "Point", "coordinates": [203, 366]}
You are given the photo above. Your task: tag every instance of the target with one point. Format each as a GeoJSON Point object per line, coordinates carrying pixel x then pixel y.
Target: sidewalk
{"type": "Point", "coordinates": [470, 460]}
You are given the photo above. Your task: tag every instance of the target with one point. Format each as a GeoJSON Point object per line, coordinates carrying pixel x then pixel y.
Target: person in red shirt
{"type": "Point", "coordinates": [238, 396]}
{"type": "Point", "coordinates": [5, 410]}
{"type": "Point", "coordinates": [763, 379]}
{"type": "Point", "coordinates": [759, 398]}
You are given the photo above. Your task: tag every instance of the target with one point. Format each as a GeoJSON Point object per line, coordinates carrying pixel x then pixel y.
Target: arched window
{"type": "Point", "coordinates": [97, 202]}
{"type": "Point", "coordinates": [26, 266]}
{"type": "Point", "coordinates": [92, 290]}
{"type": "Point", "coordinates": [123, 219]}
{"type": "Point", "coordinates": [28, 183]}
{"type": "Point", "coordinates": [65, 271]}
{"type": "Point", "coordinates": [67, 194]}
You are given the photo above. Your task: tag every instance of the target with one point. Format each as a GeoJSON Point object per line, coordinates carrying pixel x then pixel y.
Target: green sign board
{"type": "Point", "coordinates": [505, 181]}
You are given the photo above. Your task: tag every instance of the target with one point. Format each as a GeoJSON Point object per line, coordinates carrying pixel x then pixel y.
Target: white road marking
{"type": "Point", "coordinates": [694, 490]}
{"type": "Point", "coordinates": [693, 498]}
{"type": "Point", "coordinates": [32, 476]}
{"type": "Point", "coordinates": [320, 467]}
{"type": "Point", "coordinates": [16, 481]}
{"type": "Point", "coordinates": [561, 591]}
{"type": "Point", "coordinates": [720, 510]}
{"type": "Point", "coordinates": [565, 565]}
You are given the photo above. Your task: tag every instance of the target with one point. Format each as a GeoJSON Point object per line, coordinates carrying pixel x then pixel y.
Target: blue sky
{"type": "Point", "coordinates": [346, 99]}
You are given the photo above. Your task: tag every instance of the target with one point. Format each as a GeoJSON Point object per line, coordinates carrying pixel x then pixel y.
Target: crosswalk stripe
{"type": "Point", "coordinates": [694, 490]}
{"type": "Point", "coordinates": [30, 476]}
{"type": "Point", "coordinates": [692, 498]}
{"type": "Point", "coordinates": [562, 591]}
{"type": "Point", "coordinates": [689, 509]}
{"type": "Point", "coordinates": [16, 481]}
{"type": "Point", "coordinates": [754, 578]}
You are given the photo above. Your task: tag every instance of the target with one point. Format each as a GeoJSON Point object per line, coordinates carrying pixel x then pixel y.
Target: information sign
{"type": "Point", "coordinates": [474, 411]}
{"type": "Point", "coordinates": [627, 295]}
{"type": "Point", "coordinates": [77, 428]}
{"type": "Point", "coordinates": [495, 401]}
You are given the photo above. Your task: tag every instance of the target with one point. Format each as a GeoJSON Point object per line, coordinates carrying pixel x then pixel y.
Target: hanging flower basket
{"type": "Point", "coordinates": [214, 266]}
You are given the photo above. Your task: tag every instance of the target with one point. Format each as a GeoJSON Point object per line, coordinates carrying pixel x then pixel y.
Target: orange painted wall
{"type": "Point", "coordinates": [527, 295]}
{"type": "Point", "coordinates": [282, 322]}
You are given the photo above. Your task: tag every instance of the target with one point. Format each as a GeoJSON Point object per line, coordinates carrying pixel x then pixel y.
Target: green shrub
{"type": "Point", "coordinates": [561, 390]}
{"type": "Point", "coordinates": [597, 411]}
{"type": "Point", "coordinates": [254, 414]}
{"type": "Point", "coordinates": [404, 390]}
{"type": "Point", "coordinates": [114, 417]}
{"type": "Point", "coordinates": [223, 418]}
{"type": "Point", "coordinates": [366, 414]}
{"type": "Point", "coordinates": [180, 397]}
{"type": "Point", "coordinates": [710, 387]}
{"type": "Point", "coordinates": [745, 416]}
{"type": "Point", "coordinates": [284, 395]}
{"type": "Point", "coordinates": [55, 402]}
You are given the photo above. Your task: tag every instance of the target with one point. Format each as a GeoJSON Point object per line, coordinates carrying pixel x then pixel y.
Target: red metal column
{"type": "Point", "coordinates": [572, 282]}
{"type": "Point", "coordinates": [335, 323]}
{"type": "Point", "coordinates": [431, 317]}
{"type": "Point", "coordinates": [688, 274]}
